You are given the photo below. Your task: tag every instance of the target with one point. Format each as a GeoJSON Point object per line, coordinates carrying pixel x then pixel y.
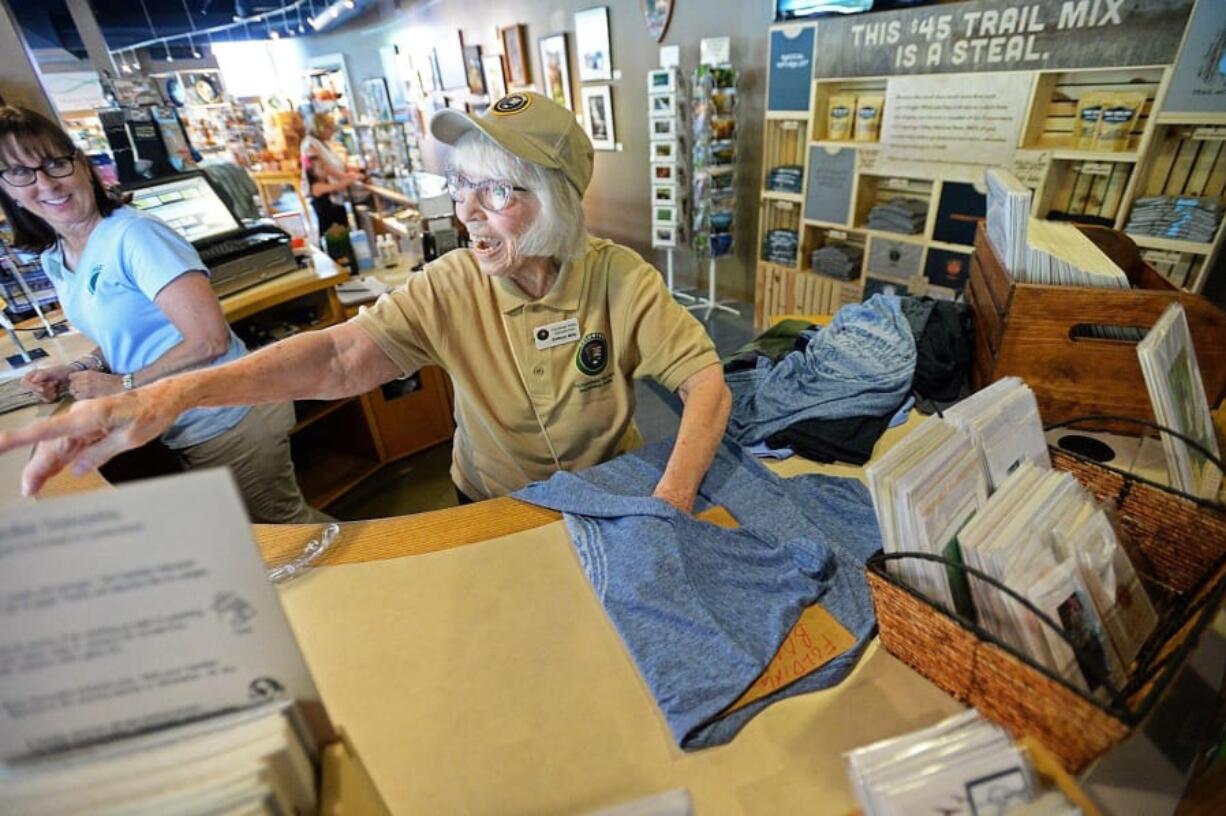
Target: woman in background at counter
{"type": "Point", "coordinates": [327, 175]}
{"type": "Point", "coordinates": [542, 328]}
{"type": "Point", "coordinates": [139, 291]}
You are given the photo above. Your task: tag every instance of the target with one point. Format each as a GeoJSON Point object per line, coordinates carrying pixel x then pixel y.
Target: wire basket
{"type": "Point", "coordinates": [1178, 547]}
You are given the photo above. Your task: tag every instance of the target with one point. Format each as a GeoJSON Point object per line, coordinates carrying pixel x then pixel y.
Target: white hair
{"type": "Point", "coordinates": [558, 231]}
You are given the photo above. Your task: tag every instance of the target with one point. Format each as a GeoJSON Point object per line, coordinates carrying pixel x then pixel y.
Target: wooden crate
{"type": "Point", "coordinates": [1029, 331]}
{"type": "Point", "coordinates": [783, 291]}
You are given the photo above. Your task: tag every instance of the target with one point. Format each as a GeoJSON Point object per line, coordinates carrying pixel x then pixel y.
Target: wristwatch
{"type": "Point", "coordinates": [128, 383]}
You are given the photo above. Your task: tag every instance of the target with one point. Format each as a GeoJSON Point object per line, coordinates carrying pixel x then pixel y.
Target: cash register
{"type": "Point", "coordinates": [237, 256]}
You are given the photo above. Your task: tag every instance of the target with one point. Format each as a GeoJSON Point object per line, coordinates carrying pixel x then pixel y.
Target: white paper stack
{"type": "Point", "coordinates": [963, 765]}
{"type": "Point", "coordinates": [1003, 421]}
{"type": "Point", "coordinates": [1059, 254]}
{"type": "Point", "coordinates": [1043, 535]}
{"type": "Point", "coordinates": [1177, 393]}
{"type": "Point", "coordinates": [254, 761]}
{"type": "Point", "coordinates": [1008, 212]}
{"type": "Point", "coordinates": [924, 490]}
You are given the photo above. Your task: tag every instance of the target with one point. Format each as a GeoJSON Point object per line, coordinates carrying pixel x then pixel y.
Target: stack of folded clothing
{"type": "Point", "coordinates": [787, 178]}
{"type": "Point", "coordinates": [839, 261]}
{"type": "Point", "coordinates": [905, 215]}
{"type": "Point", "coordinates": [781, 247]}
{"type": "Point", "coordinates": [1183, 218]}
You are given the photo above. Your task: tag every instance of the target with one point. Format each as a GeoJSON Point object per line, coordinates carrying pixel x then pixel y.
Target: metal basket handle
{"type": "Point", "coordinates": [1117, 698]}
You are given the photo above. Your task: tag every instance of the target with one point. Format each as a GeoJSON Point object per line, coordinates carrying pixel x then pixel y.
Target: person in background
{"type": "Point", "coordinates": [327, 175]}
{"type": "Point", "coordinates": [542, 328]}
{"type": "Point", "coordinates": [139, 291]}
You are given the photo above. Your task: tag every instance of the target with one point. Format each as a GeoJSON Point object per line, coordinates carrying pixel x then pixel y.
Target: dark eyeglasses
{"type": "Point", "coordinates": [493, 194]}
{"type": "Point", "coordinates": [19, 175]}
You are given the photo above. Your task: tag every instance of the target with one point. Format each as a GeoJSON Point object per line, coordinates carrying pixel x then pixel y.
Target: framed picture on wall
{"type": "Point", "coordinates": [450, 55]}
{"type": "Point", "coordinates": [515, 51]}
{"type": "Point", "coordinates": [473, 70]}
{"type": "Point", "coordinates": [663, 128]}
{"type": "Point", "coordinates": [495, 79]}
{"type": "Point", "coordinates": [598, 116]}
{"type": "Point", "coordinates": [555, 70]}
{"type": "Point", "coordinates": [375, 97]}
{"type": "Point", "coordinates": [592, 45]}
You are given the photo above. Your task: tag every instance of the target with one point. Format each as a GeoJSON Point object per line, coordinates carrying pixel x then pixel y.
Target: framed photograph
{"type": "Point", "coordinates": [663, 236]}
{"type": "Point", "coordinates": [664, 104]}
{"type": "Point", "coordinates": [450, 55]}
{"type": "Point", "coordinates": [555, 70]}
{"type": "Point", "coordinates": [598, 116]}
{"type": "Point", "coordinates": [662, 172]}
{"type": "Point", "coordinates": [661, 79]}
{"type": "Point", "coordinates": [592, 44]}
{"type": "Point", "coordinates": [663, 151]}
{"type": "Point", "coordinates": [376, 99]}
{"type": "Point", "coordinates": [515, 52]}
{"type": "Point", "coordinates": [664, 194]}
{"type": "Point", "coordinates": [473, 69]}
{"type": "Point", "coordinates": [664, 215]}
{"type": "Point", "coordinates": [663, 129]}
{"type": "Point", "coordinates": [495, 79]}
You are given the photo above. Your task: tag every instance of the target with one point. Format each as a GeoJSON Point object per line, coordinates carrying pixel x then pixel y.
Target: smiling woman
{"type": "Point", "coordinates": [139, 291]}
{"type": "Point", "coordinates": [542, 328]}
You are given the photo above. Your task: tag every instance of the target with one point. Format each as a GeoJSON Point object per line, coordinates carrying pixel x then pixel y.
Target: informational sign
{"type": "Point", "coordinates": [791, 68]}
{"type": "Point", "coordinates": [974, 119]}
{"type": "Point", "coordinates": [715, 50]}
{"type": "Point", "coordinates": [1002, 35]}
{"type": "Point", "coordinates": [1198, 84]}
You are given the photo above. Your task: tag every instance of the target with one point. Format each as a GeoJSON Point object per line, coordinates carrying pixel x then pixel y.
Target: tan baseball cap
{"type": "Point", "coordinates": [530, 126]}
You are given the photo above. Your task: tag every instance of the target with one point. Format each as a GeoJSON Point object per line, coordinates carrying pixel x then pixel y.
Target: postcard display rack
{"type": "Point", "coordinates": [1166, 157]}
{"type": "Point", "coordinates": [669, 167]}
{"type": "Point", "coordinates": [714, 103]}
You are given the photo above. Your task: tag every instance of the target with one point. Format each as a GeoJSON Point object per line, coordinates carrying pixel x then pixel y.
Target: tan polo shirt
{"type": "Point", "coordinates": [518, 406]}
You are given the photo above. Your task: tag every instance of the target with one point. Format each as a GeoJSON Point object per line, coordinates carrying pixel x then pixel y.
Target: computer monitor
{"type": "Point", "coordinates": [188, 203]}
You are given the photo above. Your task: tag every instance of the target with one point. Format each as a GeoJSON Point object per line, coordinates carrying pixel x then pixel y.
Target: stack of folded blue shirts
{"type": "Point", "coordinates": [905, 215]}
{"type": "Point", "coordinates": [781, 247]}
{"type": "Point", "coordinates": [840, 261]}
{"type": "Point", "coordinates": [1182, 218]}
{"type": "Point", "coordinates": [787, 178]}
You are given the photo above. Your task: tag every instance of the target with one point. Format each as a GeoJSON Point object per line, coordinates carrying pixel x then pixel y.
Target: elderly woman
{"type": "Point", "coordinates": [140, 292]}
{"type": "Point", "coordinates": [327, 175]}
{"type": "Point", "coordinates": [541, 327]}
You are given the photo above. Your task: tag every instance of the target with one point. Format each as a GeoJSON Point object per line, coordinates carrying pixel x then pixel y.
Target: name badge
{"type": "Point", "coordinates": [556, 334]}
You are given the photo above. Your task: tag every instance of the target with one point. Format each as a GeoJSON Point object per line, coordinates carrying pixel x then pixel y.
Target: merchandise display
{"type": "Point", "coordinates": [788, 178]}
{"type": "Point", "coordinates": [667, 171]}
{"type": "Point", "coordinates": [902, 215]}
{"type": "Point", "coordinates": [781, 246]}
{"type": "Point", "coordinates": [1182, 218]}
{"type": "Point", "coordinates": [841, 261]}
{"type": "Point", "coordinates": [713, 128]}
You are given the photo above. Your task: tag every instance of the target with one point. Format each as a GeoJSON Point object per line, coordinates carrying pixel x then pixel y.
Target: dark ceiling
{"type": "Point", "coordinates": [47, 23]}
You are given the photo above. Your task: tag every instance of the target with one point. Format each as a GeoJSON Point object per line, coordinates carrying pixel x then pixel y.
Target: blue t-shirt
{"type": "Point", "coordinates": [129, 258]}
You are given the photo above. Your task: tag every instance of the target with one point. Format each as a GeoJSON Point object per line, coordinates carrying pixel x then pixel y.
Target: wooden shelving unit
{"type": "Point", "coordinates": [1165, 155]}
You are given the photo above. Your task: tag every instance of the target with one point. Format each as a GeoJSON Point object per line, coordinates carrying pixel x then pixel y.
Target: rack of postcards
{"type": "Point", "coordinates": [714, 103]}
{"type": "Point", "coordinates": [665, 102]}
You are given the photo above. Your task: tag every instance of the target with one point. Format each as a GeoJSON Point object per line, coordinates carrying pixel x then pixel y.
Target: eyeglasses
{"type": "Point", "coordinates": [19, 175]}
{"type": "Point", "coordinates": [493, 194]}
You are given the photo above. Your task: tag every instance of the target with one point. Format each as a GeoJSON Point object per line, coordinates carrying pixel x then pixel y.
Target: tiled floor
{"type": "Point", "coordinates": [421, 482]}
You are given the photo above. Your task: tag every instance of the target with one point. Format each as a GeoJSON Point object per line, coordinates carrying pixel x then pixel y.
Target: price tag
{"type": "Point", "coordinates": [1096, 168]}
{"type": "Point", "coordinates": [1156, 256]}
{"type": "Point", "coordinates": [1207, 134]}
{"type": "Point", "coordinates": [786, 206]}
{"type": "Point", "coordinates": [897, 183]}
{"type": "Point", "coordinates": [789, 124]}
{"type": "Point", "coordinates": [838, 235]}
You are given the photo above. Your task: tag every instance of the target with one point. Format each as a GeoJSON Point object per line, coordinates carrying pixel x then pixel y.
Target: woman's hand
{"type": "Point", "coordinates": [93, 431]}
{"type": "Point", "coordinates": [47, 383]}
{"type": "Point", "coordinates": [83, 385]}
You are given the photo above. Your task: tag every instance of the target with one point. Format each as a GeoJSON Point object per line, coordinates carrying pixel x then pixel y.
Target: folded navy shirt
{"type": "Point", "coordinates": [703, 609]}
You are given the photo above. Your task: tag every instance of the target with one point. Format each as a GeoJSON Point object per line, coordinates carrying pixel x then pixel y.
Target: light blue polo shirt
{"type": "Point", "coordinates": [130, 257]}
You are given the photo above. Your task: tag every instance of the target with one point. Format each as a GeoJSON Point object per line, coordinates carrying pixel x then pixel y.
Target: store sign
{"type": "Point", "coordinates": [791, 69]}
{"type": "Point", "coordinates": [1198, 84]}
{"type": "Point", "coordinates": [1002, 35]}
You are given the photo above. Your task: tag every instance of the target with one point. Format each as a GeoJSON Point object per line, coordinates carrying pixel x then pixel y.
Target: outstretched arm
{"type": "Point", "coordinates": [338, 362]}
{"type": "Point", "coordinates": [703, 422]}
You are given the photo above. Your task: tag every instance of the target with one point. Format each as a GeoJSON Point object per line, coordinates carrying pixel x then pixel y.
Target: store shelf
{"type": "Point", "coordinates": [1171, 244]}
{"type": "Point", "coordinates": [812, 222]}
{"type": "Point", "coordinates": [908, 238]}
{"type": "Point", "coordinates": [796, 198]}
{"type": "Point", "coordinates": [1068, 154]}
{"type": "Point", "coordinates": [311, 411]}
{"type": "Point", "coordinates": [330, 474]}
{"type": "Point", "coordinates": [951, 247]}
{"type": "Point", "coordinates": [831, 144]}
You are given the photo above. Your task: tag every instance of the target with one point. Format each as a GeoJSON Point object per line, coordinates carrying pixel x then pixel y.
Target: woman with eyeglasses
{"type": "Point", "coordinates": [140, 292]}
{"type": "Point", "coordinates": [542, 328]}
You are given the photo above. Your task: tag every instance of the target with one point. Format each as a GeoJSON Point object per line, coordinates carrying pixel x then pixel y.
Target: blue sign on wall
{"type": "Point", "coordinates": [791, 69]}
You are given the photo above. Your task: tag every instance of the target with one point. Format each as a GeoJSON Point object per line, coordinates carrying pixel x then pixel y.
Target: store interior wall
{"type": "Point", "coordinates": [617, 203]}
